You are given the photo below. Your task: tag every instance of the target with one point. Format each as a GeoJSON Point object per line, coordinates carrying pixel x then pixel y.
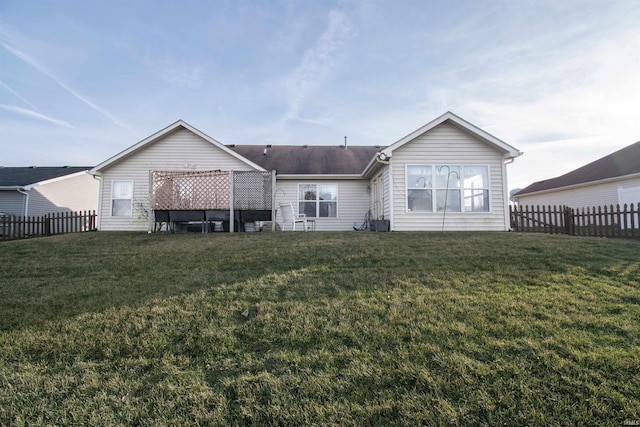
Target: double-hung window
{"type": "Point", "coordinates": [447, 188]}
{"type": "Point", "coordinates": [475, 184]}
{"type": "Point", "coordinates": [454, 188]}
{"type": "Point", "coordinates": [122, 198]}
{"type": "Point", "coordinates": [420, 188]}
{"type": "Point", "coordinates": [318, 200]}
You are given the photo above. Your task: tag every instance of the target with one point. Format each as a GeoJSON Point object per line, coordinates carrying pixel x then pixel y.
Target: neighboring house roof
{"type": "Point", "coordinates": [12, 178]}
{"type": "Point", "coordinates": [460, 123]}
{"type": "Point", "coordinates": [180, 124]}
{"type": "Point", "coordinates": [621, 163]}
{"type": "Point", "coordinates": [309, 160]}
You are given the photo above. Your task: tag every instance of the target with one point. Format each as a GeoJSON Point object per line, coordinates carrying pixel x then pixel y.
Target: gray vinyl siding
{"type": "Point", "coordinates": [586, 196]}
{"type": "Point", "coordinates": [353, 202]}
{"type": "Point", "coordinates": [383, 211]}
{"type": "Point", "coordinates": [12, 202]}
{"type": "Point", "coordinates": [387, 194]}
{"type": "Point", "coordinates": [180, 150]}
{"type": "Point", "coordinates": [447, 145]}
{"type": "Point", "coordinates": [73, 194]}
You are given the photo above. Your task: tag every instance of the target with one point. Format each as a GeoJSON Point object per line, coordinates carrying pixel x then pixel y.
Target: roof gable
{"type": "Point", "coordinates": [18, 177]}
{"type": "Point", "coordinates": [180, 124]}
{"type": "Point", "coordinates": [621, 163]}
{"type": "Point", "coordinates": [467, 127]}
{"type": "Point", "coordinates": [315, 160]}
{"type": "Point", "coordinates": [309, 160]}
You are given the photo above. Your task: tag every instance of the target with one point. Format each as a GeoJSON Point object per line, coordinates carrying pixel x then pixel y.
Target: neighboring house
{"type": "Point", "coordinates": [36, 191]}
{"type": "Point", "coordinates": [611, 180]}
{"type": "Point", "coordinates": [405, 184]}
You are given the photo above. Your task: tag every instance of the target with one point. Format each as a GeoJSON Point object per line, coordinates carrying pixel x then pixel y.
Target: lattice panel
{"type": "Point", "coordinates": [252, 190]}
{"type": "Point", "coordinates": [191, 190]}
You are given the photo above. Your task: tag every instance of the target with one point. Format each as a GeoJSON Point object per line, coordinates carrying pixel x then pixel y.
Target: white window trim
{"type": "Point", "coordinates": [434, 189]}
{"type": "Point", "coordinates": [407, 188]}
{"type": "Point", "coordinates": [113, 183]}
{"type": "Point", "coordinates": [488, 188]}
{"type": "Point", "coordinates": [337, 202]}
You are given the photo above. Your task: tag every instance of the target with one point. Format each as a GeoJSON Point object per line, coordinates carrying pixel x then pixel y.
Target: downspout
{"type": "Point", "coordinates": [26, 200]}
{"type": "Point", "coordinates": [505, 190]}
{"type": "Point", "coordinates": [385, 159]}
{"type": "Point", "coordinates": [99, 213]}
{"type": "Point", "coordinates": [232, 216]}
{"type": "Point", "coordinates": [150, 211]}
{"type": "Point", "coordinates": [274, 210]}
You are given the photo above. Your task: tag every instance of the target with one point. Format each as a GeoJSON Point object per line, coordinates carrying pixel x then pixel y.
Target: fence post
{"type": "Point", "coordinates": [511, 227]}
{"type": "Point", "coordinates": [532, 218]}
{"type": "Point", "coordinates": [518, 218]}
{"type": "Point", "coordinates": [600, 221]}
{"type": "Point", "coordinates": [568, 220]}
{"type": "Point", "coordinates": [21, 232]}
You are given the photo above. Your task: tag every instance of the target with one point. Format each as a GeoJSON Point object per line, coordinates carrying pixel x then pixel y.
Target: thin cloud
{"type": "Point", "coordinates": [177, 72]}
{"type": "Point", "coordinates": [35, 114]}
{"type": "Point", "coordinates": [26, 58]}
{"type": "Point", "coordinates": [17, 95]}
{"type": "Point", "coordinates": [316, 63]}
{"type": "Point", "coordinates": [182, 74]}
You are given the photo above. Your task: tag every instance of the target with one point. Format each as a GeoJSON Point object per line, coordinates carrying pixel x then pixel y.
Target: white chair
{"type": "Point", "coordinates": [288, 216]}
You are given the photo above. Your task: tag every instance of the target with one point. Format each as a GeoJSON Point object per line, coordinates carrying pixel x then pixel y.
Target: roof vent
{"type": "Point", "coordinates": [264, 153]}
{"type": "Point", "coordinates": [32, 167]}
{"type": "Point", "coordinates": [268, 145]}
{"type": "Point", "coordinates": [305, 146]}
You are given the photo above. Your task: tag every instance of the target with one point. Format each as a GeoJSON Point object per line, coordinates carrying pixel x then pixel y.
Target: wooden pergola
{"type": "Point", "coordinates": [212, 196]}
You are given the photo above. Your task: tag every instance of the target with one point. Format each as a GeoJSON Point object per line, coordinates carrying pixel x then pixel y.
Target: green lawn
{"type": "Point", "coordinates": [346, 329]}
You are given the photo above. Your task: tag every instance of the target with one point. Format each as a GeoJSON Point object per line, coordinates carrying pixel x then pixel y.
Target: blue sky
{"type": "Point", "coordinates": [82, 80]}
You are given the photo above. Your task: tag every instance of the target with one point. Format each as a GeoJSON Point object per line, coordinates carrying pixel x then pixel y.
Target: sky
{"type": "Point", "coordinates": [82, 80]}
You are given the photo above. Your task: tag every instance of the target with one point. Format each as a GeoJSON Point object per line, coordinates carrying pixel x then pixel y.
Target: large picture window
{"type": "Point", "coordinates": [456, 188]}
{"type": "Point", "coordinates": [122, 198]}
{"type": "Point", "coordinates": [318, 200]}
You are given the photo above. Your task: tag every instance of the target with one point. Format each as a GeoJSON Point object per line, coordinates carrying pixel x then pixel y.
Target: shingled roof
{"type": "Point", "coordinates": [309, 160]}
{"type": "Point", "coordinates": [25, 176]}
{"type": "Point", "coordinates": [621, 163]}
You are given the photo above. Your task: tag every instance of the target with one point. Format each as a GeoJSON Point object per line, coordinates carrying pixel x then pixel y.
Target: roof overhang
{"type": "Point", "coordinates": [29, 187]}
{"type": "Point", "coordinates": [324, 177]}
{"type": "Point", "coordinates": [378, 161]}
{"type": "Point", "coordinates": [180, 124]}
{"type": "Point", "coordinates": [52, 180]}
{"type": "Point", "coordinates": [580, 185]}
{"type": "Point", "coordinates": [509, 151]}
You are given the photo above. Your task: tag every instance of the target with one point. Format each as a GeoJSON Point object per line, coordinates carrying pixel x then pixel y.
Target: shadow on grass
{"type": "Point", "coordinates": [52, 279]}
{"type": "Point", "coordinates": [319, 328]}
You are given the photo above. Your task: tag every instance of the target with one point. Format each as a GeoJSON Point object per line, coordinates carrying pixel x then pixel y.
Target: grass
{"type": "Point", "coordinates": [348, 329]}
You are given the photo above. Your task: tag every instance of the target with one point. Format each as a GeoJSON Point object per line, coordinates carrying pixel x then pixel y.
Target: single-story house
{"type": "Point", "coordinates": [36, 191]}
{"type": "Point", "coordinates": [610, 180]}
{"type": "Point", "coordinates": [448, 170]}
